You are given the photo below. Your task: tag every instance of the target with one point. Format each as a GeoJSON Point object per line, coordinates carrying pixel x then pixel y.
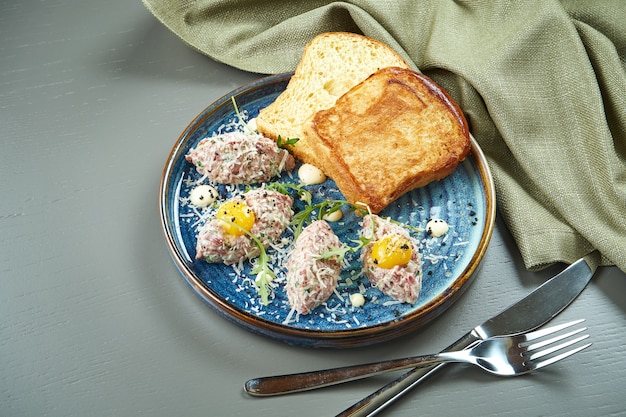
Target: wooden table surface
{"type": "Point", "coordinates": [96, 320]}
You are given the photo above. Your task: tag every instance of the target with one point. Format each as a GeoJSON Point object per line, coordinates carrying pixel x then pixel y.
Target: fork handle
{"type": "Point", "coordinates": [379, 400]}
{"type": "Point", "coordinates": [284, 384]}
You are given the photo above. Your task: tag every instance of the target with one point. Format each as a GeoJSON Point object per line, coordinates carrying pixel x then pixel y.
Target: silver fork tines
{"type": "Point", "coordinates": [533, 353]}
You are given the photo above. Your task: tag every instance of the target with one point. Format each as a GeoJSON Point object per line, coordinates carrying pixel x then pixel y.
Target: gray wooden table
{"type": "Point", "coordinates": [94, 317]}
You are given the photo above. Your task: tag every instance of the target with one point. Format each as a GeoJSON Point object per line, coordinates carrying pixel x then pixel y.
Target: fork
{"type": "Point", "coordinates": [501, 355]}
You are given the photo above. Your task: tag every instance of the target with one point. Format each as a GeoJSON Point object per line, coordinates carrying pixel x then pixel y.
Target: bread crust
{"type": "Point", "coordinates": [395, 131]}
{"type": "Point", "coordinates": [332, 63]}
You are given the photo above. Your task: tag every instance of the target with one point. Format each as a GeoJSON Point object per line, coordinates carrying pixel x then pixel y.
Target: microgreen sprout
{"type": "Point", "coordinates": [283, 143]}
{"type": "Point", "coordinates": [406, 225]}
{"type": "Point", "coordinates": [280, 142]}
{"type": "Point", "coordinates": [286, 187]}
{"type": "Point", "coordinates": [240, 117]}
{"type": "Point", "coordinates": [262, 271]}
{"type": "Point", "coordinates": [340, 252]}
{"type": "Point", "coordinates": [323, 209]}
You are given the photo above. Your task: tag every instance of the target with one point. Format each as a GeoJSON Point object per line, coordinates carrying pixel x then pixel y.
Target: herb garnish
{"type": "Point", "coordinates": [283, 143]}
{"type": "Point", "coordinates": [323, 209]}
{"type": "Point", "coordinates": [405, 225]}
{"type": "Point", "coordinates": [280, 142]}
{"type": "Point", "coordinates": [243, 122]}
{"type": "Point", "coordinates": [341, 251]}
{"type": "Point", "coordinates": [286, 187]}
{"type": "Point", "coordinates": [262, 270]}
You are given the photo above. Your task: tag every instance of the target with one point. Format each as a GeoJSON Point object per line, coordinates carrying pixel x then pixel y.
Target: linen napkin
{"type": "Point", "coordinates": [542, 84]}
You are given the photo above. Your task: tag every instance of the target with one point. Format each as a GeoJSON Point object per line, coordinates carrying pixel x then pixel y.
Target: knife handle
{"type": "Point", "coordinates": [380, 399]}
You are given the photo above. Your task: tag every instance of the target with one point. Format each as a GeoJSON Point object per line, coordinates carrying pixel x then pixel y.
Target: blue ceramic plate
{"type": "Point", "coordinates": [465, 200]}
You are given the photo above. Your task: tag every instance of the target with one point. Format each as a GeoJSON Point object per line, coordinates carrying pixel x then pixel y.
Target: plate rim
{"type": "Point", "coordinates": [312, 337]}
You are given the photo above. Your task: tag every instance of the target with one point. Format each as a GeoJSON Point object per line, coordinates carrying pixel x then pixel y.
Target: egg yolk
{"type": "Point", "coordinates": [238, 217]}
{"type": "Point", "coordinates": [391, 251]}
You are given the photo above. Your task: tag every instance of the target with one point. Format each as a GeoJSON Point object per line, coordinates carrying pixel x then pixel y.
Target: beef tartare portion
{"type": "Point", "coordinates": [226, 238]}
{"type": "Point", "coordinates": [311, 278]}
{"type": "Point", "coordinates": [240, 158]}
{"type": "Point", "coordinates": [391, 259]}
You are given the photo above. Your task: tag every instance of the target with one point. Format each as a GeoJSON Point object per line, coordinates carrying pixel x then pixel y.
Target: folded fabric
{"type": "Point", "coordinates": [542, 83]}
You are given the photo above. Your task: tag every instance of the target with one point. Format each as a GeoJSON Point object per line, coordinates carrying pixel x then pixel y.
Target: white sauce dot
{"type": "Point", "coordinates": [310, 174]}
{"type": "Point", "coordinates": [357, 299]}
{"type": "Point", "coordinates": [335, 216]}
{"type": "Point", "coordinates": [203, 195]}
{"type": "Point", "coordinates": [437, 227]}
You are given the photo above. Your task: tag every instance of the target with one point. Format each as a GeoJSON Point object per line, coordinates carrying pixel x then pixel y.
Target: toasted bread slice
{"type": "Point", "coordinates": [395, 131]}
{"type": "Point", "coordinates": [332, 63]}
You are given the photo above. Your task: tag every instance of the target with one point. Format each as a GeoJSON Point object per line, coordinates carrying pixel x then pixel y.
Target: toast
{"type": "Point", "coordinates": [395, 131]}
{"type": "Point", "coordinates": [331, 64]}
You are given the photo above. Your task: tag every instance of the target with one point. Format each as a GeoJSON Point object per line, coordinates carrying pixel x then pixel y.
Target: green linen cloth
{"type": "Point", "coordinates": [542, 83]}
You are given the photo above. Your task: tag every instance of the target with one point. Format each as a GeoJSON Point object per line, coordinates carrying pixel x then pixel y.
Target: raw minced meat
{"type": "Point", "coordinates": [240, 158]}
{"type": "Point", "coordinates": [402, 282]}
{"type": "Point", "coordinates": [273, 212]}
{"type": "Point", "coordinates": [311, 279]}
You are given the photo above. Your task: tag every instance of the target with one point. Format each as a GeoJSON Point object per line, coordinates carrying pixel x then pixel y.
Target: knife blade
{"type": "Point", "coordinates": [531, 312]}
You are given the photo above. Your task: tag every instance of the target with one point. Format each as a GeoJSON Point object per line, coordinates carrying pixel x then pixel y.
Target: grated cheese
{"type": "Point", "coordinates": [339, 305]}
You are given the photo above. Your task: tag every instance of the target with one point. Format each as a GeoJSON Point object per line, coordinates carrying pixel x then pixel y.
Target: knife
{"type": "Point", "coordinates": [532, 311]}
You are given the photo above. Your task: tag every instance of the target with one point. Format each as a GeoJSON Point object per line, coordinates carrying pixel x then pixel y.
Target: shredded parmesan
{"type": "Point", "coordinates": [337, 310]}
